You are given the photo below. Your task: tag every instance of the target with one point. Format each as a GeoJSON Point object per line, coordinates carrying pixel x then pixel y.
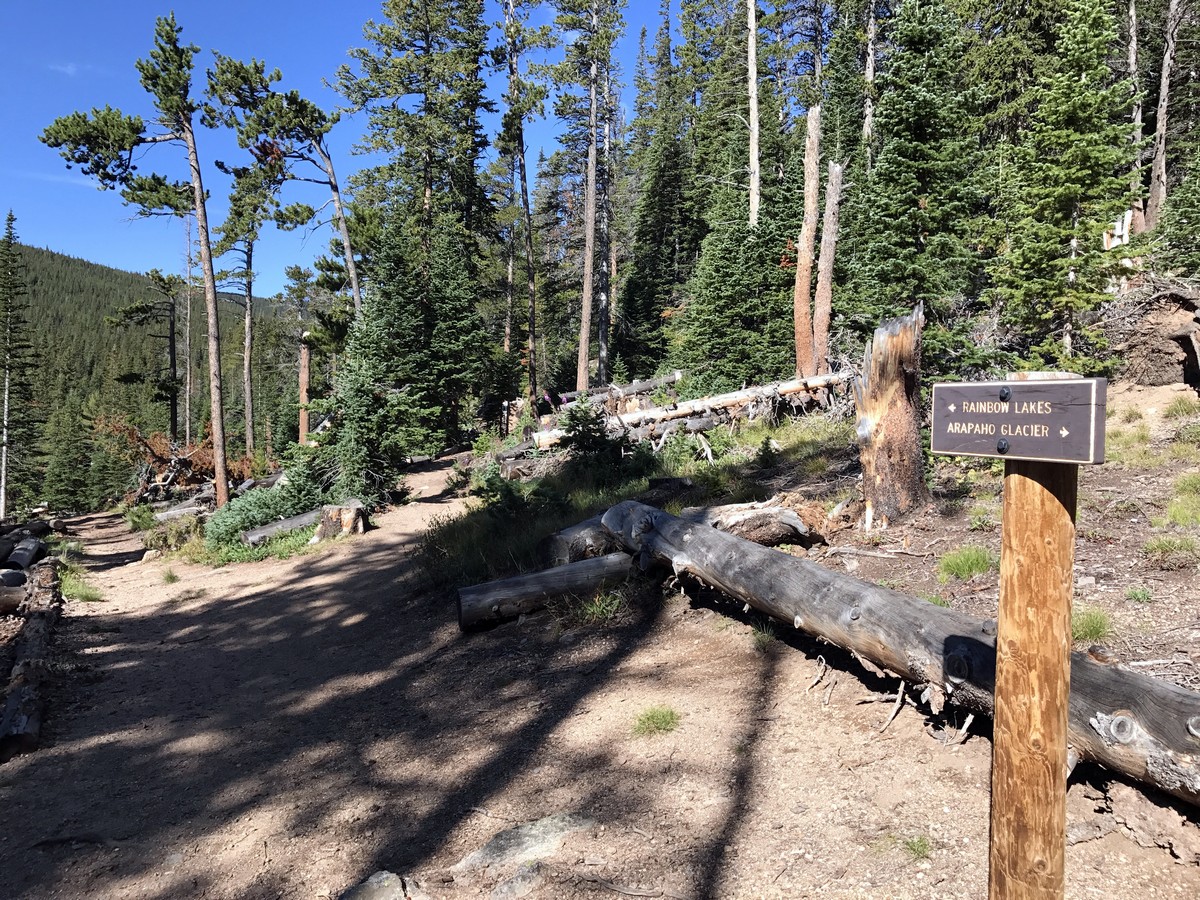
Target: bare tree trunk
{"type": "Point", "coordinates": [187, 340]}
{"type": "Point", "coordinates": [889, 420]}
{"type": "Point", "coordinates": [802, 320]}
{"type": "Point", "coordinates": [589, 223]}
{"type": "Point", "coordinates": [1158, 165]}
{"type": "Point", "coordinates": [304, 362]}
{"type": "Point", "coordinates": [339, 215]}
{"type": "Point", "coordinates": [510, 16]}
{"type": "Point", "coordinates": [604, 310]}
{"type": "Point", "coordinates": [508, 296]}
{"type": "Point", "coordinates": [752, 89]}
{"type": "Point", "coordinates": [216, 399]}
{"type": "Point", "coordinates": [247, 350]}
{"type": "Point", "coordinates": [1137, 203]}
{"type": "Point", "coordinates": [868, 132]}
{"type": "Point", "coordinates": [4, 446]}
{"type": "Point", "coordinates": [823, 301]}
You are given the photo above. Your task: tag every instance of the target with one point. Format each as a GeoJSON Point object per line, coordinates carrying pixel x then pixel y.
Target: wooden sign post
{"type": "Point", "coordinates": [1044, 425]}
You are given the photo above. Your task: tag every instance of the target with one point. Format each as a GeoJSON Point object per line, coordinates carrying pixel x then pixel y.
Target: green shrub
{"type": "Point", "coordinates": [140, 517]}
{"type": "Point", "coordinates": [74, 586]}
{"type": "Point", "coordinates": [1139, 595]}
{"type": "Point", "coordinates": [656, 720]}
{"type": "Point", "coordinates": [172, 535]}
{"type": "Point", "coordinates": [302, 490]}
{"type": "Point", "coordinates": [169, 576]}
{"type": "Point", "coordinates": [966, 562]}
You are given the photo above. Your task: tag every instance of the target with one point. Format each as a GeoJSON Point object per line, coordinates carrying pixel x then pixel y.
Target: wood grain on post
{"type": "Point", "coordinates": [1033, 674]}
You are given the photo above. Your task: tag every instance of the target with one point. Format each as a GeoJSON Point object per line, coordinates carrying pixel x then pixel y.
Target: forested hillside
{"type": "Point", "coordinates": [779, 178]}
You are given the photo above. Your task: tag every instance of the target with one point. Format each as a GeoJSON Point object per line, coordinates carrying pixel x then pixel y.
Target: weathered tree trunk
{"type": "Point", "coordinates": [215, 394]}
{"type": "Point", "coordinates": [802, 318]}
{"type": "Point", "coordinates": [823, 300]}
{"type": "Point", "coordinates": [868, 132]}
{"type": "Point", "coordinates": [498, 600]}
{"type": "Point", "coordinates": [255, 536]}
{"type": "Point", "coordinates": [887, 398]}
{"type": "Point", "coordinates": [342, 519]}
{"type": "Point", "coordinates": [589, 221]}
{"type": "Point", "coordinates": [305, 354]}
{"type": "Point", "coordinates": [604, 191]}
{"type": "Point", "coordinates": [182, 512]}
{"type": "Point", "coordinates": [343, 228]}
{"type": "Point", "coordinates": [1158, 163]}
{"type": "Point", "coordinates": [1125, 721]}
{"type": "Point", "coordinates": [248, 349]}
{"type": "Point", "coordinates": [752, 90]}
{"type": "Point", "coordinates": [1137, 222]}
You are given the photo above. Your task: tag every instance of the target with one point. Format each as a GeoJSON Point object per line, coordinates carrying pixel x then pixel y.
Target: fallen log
{"type": "Point", "coordinates": [13, 578]}
{"type": "Point", "coordinates": [24, 703]}
{"type": "Point", "coordinates": [704, 406]}
{"type": "Point", "coordinates": [10, 599]}
{"type": "Point", "coordinates": [7, 545]}
{"type": "Point", "coordinates": [1131, 723]}
{"type": "Point", "coordinates": [496, 600]}
{"type": "Point", "coordinates": [25, 554]}
{"type": "Point", "coordinates": [255, 536]}
{"type": "Point", "coordinates": [765, 522]}
{"type": "Point", "coordinates": [36, 528]}
{"type": "Point", "coordinates": [179, 512]}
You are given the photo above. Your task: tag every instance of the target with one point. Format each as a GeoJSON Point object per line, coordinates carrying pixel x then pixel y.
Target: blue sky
{"type": "Point", "coordinates": [59, 57]}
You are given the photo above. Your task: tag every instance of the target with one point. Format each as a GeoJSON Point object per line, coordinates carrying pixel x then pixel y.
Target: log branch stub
{"type": "Point", "coordinates": [488, 603]}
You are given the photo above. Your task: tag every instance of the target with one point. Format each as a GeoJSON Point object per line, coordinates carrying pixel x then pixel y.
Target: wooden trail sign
{"type": "Point", "coordinates": [1052, 421]}
{"type": "Point", "coordinates": [1043, 425]}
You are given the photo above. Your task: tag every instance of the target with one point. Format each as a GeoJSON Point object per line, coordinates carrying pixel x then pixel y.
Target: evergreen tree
{"type": "Point", "coordinates": [104, 143]}
{"type": "Point", "coordinates": [912, 220]}
{"type": "Point", "coordinates": [18, 417]}
{"type": "Point", "coordinates": [1073, 182]}
{"type": "Point", "coordinates": [1178, 249]}
{"type": "Point", "coordinates": [68, 450]}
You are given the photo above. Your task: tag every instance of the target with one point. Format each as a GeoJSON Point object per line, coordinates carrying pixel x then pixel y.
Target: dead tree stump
{"type": "Point", "coordinates": [887, 398]}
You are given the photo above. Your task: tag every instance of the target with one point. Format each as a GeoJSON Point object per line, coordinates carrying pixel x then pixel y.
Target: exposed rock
{"type": "Point", "coordinates": [523, 843]}
{"type": "Point", "coordinates": [386, 886]}
{"type": "Point", "coordinates": [528, 878]}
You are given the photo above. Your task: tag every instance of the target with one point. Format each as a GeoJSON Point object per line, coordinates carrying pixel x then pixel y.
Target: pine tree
{"type": "Point", "coordinates": [65, 487]}
{"type": "Point", "coordinates": [912, 220]}
{"type": "Point", "coordinates": [104, 143]}
{"type": "Point", "coordinates": [1178, 249]}
{"type": "Point", "coordinates": [1073, 181]}
{"type": "Point", "coordinates": [18, 418]}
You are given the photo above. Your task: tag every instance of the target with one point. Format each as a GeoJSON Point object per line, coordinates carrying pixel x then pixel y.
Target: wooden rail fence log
{"type": "Point", "coordinates": [1144, 727]}
{"type": "Point", "coordinates": [254, 536]}
{"type": "Point", "coordinates": [24, 701]}
{"type": "Point", "coordinates": [497, 600]}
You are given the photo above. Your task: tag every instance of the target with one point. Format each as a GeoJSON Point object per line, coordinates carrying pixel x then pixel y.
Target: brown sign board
{"type": "Point", "coordinates": [1053, 421]}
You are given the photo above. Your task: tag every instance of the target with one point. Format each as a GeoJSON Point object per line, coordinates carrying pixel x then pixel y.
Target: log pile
{"type": "Point", "coordinates": [1127, 722]}
{"type": "Point", "coordinates": [24, 698]}
{"type": "Point", "coordinates": [692, 416]}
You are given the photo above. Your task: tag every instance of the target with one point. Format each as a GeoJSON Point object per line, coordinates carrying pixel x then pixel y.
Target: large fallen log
{"type": "Point", "coordinates": [25, 554]}
{"type": "Point", "coordinates": [255, 536]}
{"type": "Point", "coordinates": [704, 405]}
{"type": "Point", "coordinates": [497, 600]}
{"type": "Point", "coordinates": [181, 512]}
{"type": "Point", "coordinates": [1131, 723]}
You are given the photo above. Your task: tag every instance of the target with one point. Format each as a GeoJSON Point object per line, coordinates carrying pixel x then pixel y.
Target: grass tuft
{"type": "Point", "coordinates": [1169, 551]}
{"type": "Point", "coordinates": [1182, 408]}
{"type": "Point", "coordinates": [656, 720]}
{"type": "Point", "coordinates": [75, 586]}
{"type": "Point", "coordinates": [169, 576]}
{"type": "Point", "coordinates": [967, 562]}
{"type": "Point", "coordinates": [1139, 595]}
{"type": "Point", "coordinates": [762, 636]}
{"type": "Point", "coordinates": [1089, 624]}
{"type": "Point", "coordinates": [917, 847]}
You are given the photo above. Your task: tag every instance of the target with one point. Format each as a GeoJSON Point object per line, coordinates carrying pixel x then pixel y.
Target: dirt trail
{"type": "Point", "coordinates": [284, 729]}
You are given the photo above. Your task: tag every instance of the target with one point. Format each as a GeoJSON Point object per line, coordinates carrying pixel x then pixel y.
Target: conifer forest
{"type": "Point", "coordinates": [771, 181]}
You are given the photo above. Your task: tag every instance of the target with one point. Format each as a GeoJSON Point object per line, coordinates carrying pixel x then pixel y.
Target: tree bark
{"type": "Point", "coordinates": [339, 215]}
{"type": "Point", "coordinates": [498, 600]}
{"type": "Point", "coordinates": [823, 300]}
{"type": "Point", "coordinates": [248, 348]}
{"type": "Point", "coordinates": [752, 90]}
{"type": "Point", "coordinates": [24, 702]}
{"type": "Point", "coordinates": [342, 519]}
{"type": "Point", "coordinates": [1128, 722]}
{"type": "Point", "coordinates": [25, 554]}
{"type": "Point", "coordinates": [305, 353]}
{"type": "Point", "coordinates": [887, 399]}
{"type": "Point", "coordinates": [1137, 204]}
{"type": "Point", "coordinates": [216, 399]}
{"type": "Point", "coordinates": [1158, 164]}
{"type": "Point", "coordinates": [589, 222]}
{"type": "Point", "coordinates": [802, 319]}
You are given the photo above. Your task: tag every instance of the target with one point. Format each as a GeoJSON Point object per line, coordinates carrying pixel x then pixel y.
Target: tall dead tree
{"type": "Point", "coordinates": [868, 131]}
{"type": "Point", "coordinates": [802, 317]}
{"type": "Point", "coordinates": [823, 300]}
{"type": "Point", "coordinates": [1137, 222]}
{"type": "Point", "coordinates": [1158, 163]}
{"type": "Point", "coordinates": [887, 399]}
{"type": "Point", "coordinates": [589, 215]}
{"type": "Point", "coordinates": [752, 89]}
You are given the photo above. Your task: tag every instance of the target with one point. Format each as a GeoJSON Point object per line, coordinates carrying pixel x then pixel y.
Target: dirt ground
{"type": "Point", "coordinates": [285, 729]}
